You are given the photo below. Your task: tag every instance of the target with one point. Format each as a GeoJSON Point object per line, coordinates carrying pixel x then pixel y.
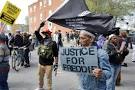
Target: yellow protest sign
{"type": "Point", "coordinates": [9, 13]}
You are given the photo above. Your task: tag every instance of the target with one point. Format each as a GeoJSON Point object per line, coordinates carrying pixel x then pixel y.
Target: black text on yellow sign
{"type": "Point", "coordinates": [9, 13]}
{"type": "Point", "coordinates": [5, 17]}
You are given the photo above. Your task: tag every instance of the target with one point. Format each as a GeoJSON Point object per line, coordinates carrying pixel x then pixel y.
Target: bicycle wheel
{"type": "Point", "coordinates": [18, 62]}
{"type": "Point", "coordinates": [13, 57]}
{"type": "Point", "coordinates": [12, 62]}
{"type": "Point", "coordinates": [30, 56]}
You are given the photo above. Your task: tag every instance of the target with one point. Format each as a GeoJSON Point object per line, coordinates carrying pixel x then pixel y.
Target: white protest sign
{"type": "Point", "coordinates": [78, 59]}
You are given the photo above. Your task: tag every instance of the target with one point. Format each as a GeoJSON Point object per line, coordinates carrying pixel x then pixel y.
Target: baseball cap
{"type": "Point", "coordinates": [46, 31]}
{"type": "Point", "coordinates": [87, 33]}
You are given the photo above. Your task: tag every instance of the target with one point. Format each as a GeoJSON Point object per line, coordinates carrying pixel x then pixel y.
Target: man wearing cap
{"type": "Point", "coordinates": [4, 61]}
{"type": "Point", "coordinates": [46, 65]}
{"type": "Point", "coordinates": [96, 80]}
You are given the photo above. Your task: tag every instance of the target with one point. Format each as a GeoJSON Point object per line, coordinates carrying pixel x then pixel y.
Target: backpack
{"type": "Point", "coordinates": [45, 51]}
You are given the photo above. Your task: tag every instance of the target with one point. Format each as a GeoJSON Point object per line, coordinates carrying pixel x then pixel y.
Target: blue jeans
{"type": "Point", "coordinates": [4, 70]}
{"type": "Point", "coordinates": [111, 82]}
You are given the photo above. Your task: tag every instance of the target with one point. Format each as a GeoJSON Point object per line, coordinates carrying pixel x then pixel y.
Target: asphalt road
{"type": "Point", "coordinates": [27, 78]}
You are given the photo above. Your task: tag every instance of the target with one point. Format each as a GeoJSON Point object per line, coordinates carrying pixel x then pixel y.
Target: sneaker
{"type": "Point", "coordinates": [22, 64]}
{"type": "Point", "coordinates": [26, 65]}
{"type": "Point", "coordinates": [39, 89]}
{"type": "Point", "coordinates": [124, 65]}
{"type": "Point", "coordinates": [117, 84]}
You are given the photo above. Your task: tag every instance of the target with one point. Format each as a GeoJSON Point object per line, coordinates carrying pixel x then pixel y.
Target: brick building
{"type": "Point", "coordinates": [39, 11]}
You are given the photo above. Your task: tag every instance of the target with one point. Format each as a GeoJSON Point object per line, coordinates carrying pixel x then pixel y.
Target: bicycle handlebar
{"type": "Point", "coordinates": [19, 47]}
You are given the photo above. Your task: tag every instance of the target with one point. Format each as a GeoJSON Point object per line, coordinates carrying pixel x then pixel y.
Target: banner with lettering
{"type": "Point", "coordinates": [74, 14]}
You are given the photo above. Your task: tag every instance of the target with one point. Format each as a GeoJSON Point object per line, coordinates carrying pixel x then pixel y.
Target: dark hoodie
{"type": "Point", "coordinates": [44, 41]}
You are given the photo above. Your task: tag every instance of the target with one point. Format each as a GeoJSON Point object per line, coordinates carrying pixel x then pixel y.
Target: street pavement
{"type": "Point", "coordinates": [27, 78]}
{"type": "Point", "coordinates": [128, 74]}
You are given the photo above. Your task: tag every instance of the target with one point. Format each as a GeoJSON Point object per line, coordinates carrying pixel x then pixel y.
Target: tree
{"type": "Point", "coordinates": [116, 8]}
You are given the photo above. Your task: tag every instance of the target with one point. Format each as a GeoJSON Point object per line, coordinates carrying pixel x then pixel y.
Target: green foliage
{"type": "Point", "coordinates": [116, 8]}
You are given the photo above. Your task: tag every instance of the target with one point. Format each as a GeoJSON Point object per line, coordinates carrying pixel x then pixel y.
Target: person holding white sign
{"type": "Point", "coordinates": [97, 79]}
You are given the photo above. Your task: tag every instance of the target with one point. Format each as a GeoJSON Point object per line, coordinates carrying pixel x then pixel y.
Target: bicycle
{"type": "Point", "coordinates": [17, 58]}
{"type": "Point", "coordinates": [31, 48]}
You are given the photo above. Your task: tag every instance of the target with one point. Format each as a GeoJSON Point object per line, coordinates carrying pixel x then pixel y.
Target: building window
{"type": "Point", "coordinates": [50, 12]}
{"type": "Point", "coordinates": [40, 4]}
{"type": "Point", "coordinates": [45, 2]}
{"type": "Point", "coordinates": [49, 2]}
{"type": "Point", "coordinates": [34, 8]}
{"type": "Point", "coordinates": [41, 16]}
{"type": "Point", "coordinates": [30, 9]}
{"type": "Point", "coordinates": [34, 19]}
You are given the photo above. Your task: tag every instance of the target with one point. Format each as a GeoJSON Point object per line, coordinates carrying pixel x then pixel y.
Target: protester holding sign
{"type": "Point", "coordinates": [97, 79]}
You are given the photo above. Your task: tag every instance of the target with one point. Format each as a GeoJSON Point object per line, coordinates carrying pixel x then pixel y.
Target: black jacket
{"type": "Point", "coordinates": [114, 56]}
{"type": "Point", "coordinates": [17, 40]}
{"type": "Point", "coordinates": [26, 41]}
{"type": "Point", "coordinates": [43, 61]}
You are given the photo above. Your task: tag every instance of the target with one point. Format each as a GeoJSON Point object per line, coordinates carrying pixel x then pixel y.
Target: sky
{"type": "Point", "coordinates": [23, 5]}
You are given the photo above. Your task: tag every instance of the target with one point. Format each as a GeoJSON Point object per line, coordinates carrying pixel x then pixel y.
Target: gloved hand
{"type": "Point", "coordinates": [42, 24]}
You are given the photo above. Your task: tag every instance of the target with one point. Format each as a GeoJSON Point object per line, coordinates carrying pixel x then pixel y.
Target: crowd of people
{"type": "Point", "coordinates": [111, 50]}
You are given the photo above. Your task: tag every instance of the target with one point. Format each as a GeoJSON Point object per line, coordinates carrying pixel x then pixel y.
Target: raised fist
{"type": "Point", "coordinates": [42, 24]}
{"type": "Point", "coordinates": [55, 67]}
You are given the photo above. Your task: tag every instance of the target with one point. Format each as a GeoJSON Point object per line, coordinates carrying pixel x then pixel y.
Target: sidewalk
{"type": "Point", "coordinates": [128, 74]}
